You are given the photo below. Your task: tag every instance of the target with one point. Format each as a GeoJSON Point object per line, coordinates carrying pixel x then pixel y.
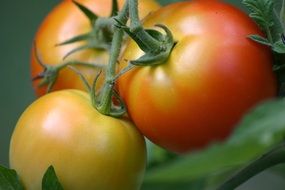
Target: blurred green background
{"type": "Point", "coordinates": [19, 22]}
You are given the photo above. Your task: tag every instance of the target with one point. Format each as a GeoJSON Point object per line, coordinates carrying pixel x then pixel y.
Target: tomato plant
{"type": "Point", "coordinates": [213, 76]}
{"type": "Point", "coordinates": [62, 23]}
{"type": "Point", "coordinates": [87, 149]}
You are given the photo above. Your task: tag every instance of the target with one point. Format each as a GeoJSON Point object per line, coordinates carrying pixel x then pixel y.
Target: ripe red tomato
{"type": "Point", "coordinates": [213, 76]}
{"type": "Point", "coordinates": [87, 149]}
{"type": "Point", "coordinates": [64, 22]}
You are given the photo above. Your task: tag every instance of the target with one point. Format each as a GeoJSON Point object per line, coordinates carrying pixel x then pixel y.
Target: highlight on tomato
{"type": "Point", "coordinates": [87, 149]}
{"type": "Point", "coordinates": [65, 22]}
{"type": "Point", "coordinates": [213, 76]}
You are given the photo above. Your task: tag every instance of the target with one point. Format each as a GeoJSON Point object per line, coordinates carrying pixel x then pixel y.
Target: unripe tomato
{"type": "Point", "coordinates": [213, 76]}
{"type": "Point", "coordinates": [64, 22]}
{"type": "Point", "coordinates": [87, 149]}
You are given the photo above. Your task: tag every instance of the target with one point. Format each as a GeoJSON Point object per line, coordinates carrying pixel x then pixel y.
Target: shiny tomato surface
{"type": "Point", "coordinates": [64, 22]}
{"type": "Point", "coordinates": [87, 149]}
{"type": "Point", "coordinates": [213, 76]}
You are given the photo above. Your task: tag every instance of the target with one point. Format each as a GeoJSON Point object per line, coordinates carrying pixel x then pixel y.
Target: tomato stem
{"type": "Point", "coordinates": [137, 28]}
{"type": "Point", "coordinates": [115, 8]}
{"type": "Point", "coordinates": [104, 105]}
{"type": "Point", "coordinates": [271, 158]}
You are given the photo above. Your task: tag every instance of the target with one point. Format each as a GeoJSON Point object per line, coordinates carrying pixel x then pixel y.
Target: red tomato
{"type": "Point", "coordinates": [64, 22]}
{"type": "Point", "coordinates": [87, 149]}
{"type": "Point", "coordinates": [213, 76]}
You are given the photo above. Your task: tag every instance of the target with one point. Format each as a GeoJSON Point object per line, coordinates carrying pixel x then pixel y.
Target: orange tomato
{"type": "Point", "coordinates": [64, 22]}
{"type": "Point", "coordinates": [213, 76]}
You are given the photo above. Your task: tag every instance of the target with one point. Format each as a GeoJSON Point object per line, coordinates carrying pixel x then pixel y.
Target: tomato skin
{"type": "Point", "coordinates": [62, 23]}
{"type": "Point", "coordinates": [214, 75]}
{"type": "Point", "coordinates": [88, 150]}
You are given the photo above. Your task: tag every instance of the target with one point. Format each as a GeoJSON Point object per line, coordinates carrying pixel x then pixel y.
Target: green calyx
{"type": "Point", "coordinates": [112, 104]}
{"type": "Point", "coordinates": [50, 73]}
{"type": "Point", "coordinates": [100, 35]}
{"type": "Point", "coordinates": [108, 34]}
{"type": "Point", "coordinates": [156, 45]}
{"type": "Point", "coordinates": [103, 101]}
{"type": "Point", "coordinates": [48, 77]}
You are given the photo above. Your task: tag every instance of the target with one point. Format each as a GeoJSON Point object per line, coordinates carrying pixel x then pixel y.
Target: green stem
{"type": "Point", "coordinates": [272, 158]}
{"type": "Point", "coordinates": [137, 28]}
{"type": "Point", "coordinates": [115, 7]}
{"type": "Point", "coordinates": [134, 13]}
{"type": "Point", "coordinates": [105, 103]}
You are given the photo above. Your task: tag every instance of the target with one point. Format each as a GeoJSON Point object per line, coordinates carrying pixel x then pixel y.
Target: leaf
{"type": "Point", "coordinates": [50, 180]}
{"type": "Point", "coordinates": [271, 158]}
{"type": "Point", "coordinates": [278, 18]}
{"type": "Point", "coordinates": [279, 47]}
{"type": "Point", "coordinates": [157, 155]}
{"type": "Point", "coordinates": [196, 165]}
{"type": "Point", "coordinates": [261, 11]}
{"type": "Point", "coordinates": [259, 130]}
{"type": "Point", "coordinates": [264, 125]}
{"type": "Point", "coordinates": [279, 6]}
{"type": "Point", "coordinates": [260, 39]}
{"type": "Point", "coordinates": [189, 185]}
{"type": "Point", "coordinates": [9, 180]}
{"type": "Point", "coordinates": [266, 13]}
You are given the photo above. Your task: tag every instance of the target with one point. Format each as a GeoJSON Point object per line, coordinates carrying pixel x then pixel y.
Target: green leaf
{"type": "Point", "coordinates": [50, 180]}
{"type": "Point", "coordinates": [265, 125]}
{"type": "Point", "coordinates": [9, 180]}
{"type": "Point", "coordinates": [279, 19]}
{"type": "Point", "coordinates": [157, 155]}
{"type": "Point", "coordinates": [260, 39]}
{"type": "Point", "coordinates": [261, 11]}
{"type": "Point", "coordinates": [279, 47]}
{"type": "Point", "coordinates": [269, 159]}
{"type": "Point", "coordinates": [189, 185]}
{"type": "Point", "coordinates": [259, 130]}
{"type": "Point", "coordinates": [266, 13]}
{"type": "Point", "coordinates": [216, 158]}
{"type": "Point", "coordinates": [281, 3]}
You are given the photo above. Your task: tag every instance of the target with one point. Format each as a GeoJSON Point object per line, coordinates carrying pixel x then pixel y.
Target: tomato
{"type": "Point", "coordinates": [87, 149]}
{"type": "Point", "coordinates": [64, 22]}
{"type": "Point", "coordinates": [213, 76]}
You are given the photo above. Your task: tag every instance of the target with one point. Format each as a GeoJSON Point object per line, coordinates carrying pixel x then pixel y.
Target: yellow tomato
{"type": "Point", "coordinates": [87, 149]}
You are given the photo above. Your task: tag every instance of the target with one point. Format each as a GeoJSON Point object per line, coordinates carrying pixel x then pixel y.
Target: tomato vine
{"type": "Point", "coordinates": [153, 51]}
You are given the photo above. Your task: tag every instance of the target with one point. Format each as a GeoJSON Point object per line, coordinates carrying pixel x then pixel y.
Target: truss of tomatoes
{"type": "Point", "coordinates": [213, 76]}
